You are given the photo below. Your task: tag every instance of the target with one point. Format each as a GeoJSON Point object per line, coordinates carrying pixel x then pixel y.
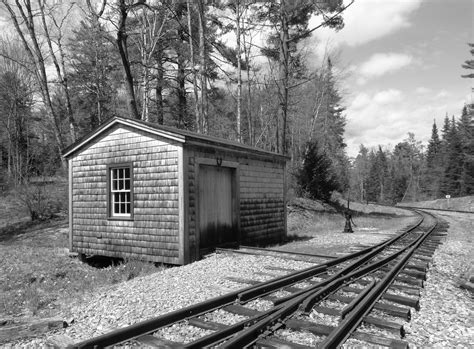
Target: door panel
{"type": "Point", "coordinates": [216, 209]}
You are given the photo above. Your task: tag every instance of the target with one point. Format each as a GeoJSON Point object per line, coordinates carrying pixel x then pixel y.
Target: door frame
{"type": "Point", "coordinates": [235, 195]}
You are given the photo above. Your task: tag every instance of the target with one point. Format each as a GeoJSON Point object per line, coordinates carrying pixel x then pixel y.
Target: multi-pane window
{"type": "Point", "coordinates": [120, 192]}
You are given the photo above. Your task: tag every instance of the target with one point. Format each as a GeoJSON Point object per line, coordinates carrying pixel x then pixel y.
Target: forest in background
{"type": "Point", "coordinates": [237, 69]}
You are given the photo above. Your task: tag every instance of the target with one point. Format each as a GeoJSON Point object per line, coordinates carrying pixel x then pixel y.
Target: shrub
{"type": "Point", "coordinates": [133, 268]}
{"type": "Point", "coordinates": [43, 201]}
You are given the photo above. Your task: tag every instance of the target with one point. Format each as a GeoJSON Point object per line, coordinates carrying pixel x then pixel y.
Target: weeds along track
{"type": "Point", "coordinates": [360, 298]}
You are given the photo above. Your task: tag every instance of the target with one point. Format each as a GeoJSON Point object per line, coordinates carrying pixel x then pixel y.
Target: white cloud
{"type": "Point", "coordinates": [441, 94]}
{"type": "Point", "coordinates": [387, 96]}
{"type": "Point", "coordinates": [360, 101]}
{"type": "Point", "coordinates": [386, 17]}
{"type": "Point", "coordinates": [385, 118]}
{"type": "Point", "coordinates": [423, 90]}
{"type": "Point", "coordinates": [383, 63]}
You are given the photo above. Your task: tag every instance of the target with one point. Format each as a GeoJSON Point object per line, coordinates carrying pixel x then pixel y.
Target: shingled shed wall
{"type": "Point", "coordinates": [153, 234]}
{"type": "Point", "coordinates": [261, 185]}
{"type": "Point", "coordinates": [184, 193]}
{"type": "Point", "coordinates": [262, 201]}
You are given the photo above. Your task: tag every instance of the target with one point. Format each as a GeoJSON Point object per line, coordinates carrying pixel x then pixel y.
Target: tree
{"type": "Point", "coordinates": [406, 165]}
{"type": "Point", "coordinates": [54, 35]}
{"type": "Point", "coordinates": [465, 132]}
{"type": "Point", "coordinates": [238, 8]}
{"type": "Point", "coordinates": [469, 64]}
{"type": "Point", "coordinates": [315, 178]}
{"type": "Point", "coordinates": [16, 100]}
{"type": "Point", "coordinates": [328, 127]}
{"type": "Point", "coordinates": [94, 74]}
{"type": "Point", "coordinates": [453, 158]}
{"type": "Point", "coordinates": [25, 137]}
{"type": "Point", "coordinates": [150, 23]}
{"type": "Point", "coordinates": [25, 21]}
{"type": "Point", "coordinates": [434, 164]}
{"type": "Point", "coordinates": [123, 10]}
{"type": "Point", "coordinates": [290, 22]}
{"type": "Point", "coordinates": [360, 174]}
{"type": "Point", "coordinates": [378, 176]}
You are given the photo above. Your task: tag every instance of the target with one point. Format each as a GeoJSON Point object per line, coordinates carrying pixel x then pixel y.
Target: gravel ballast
{"type": "Point", "coordinates": [446, 316]}
{"type": "Point", "coordinates": [444, 321]}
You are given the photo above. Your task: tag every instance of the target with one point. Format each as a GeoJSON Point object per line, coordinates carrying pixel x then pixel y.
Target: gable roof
{"type": "Point", "coordinates": [177, 135]}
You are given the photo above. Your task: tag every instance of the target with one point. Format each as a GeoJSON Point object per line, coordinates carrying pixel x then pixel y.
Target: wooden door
{"type": "Point", "coordinates": [216, 207]}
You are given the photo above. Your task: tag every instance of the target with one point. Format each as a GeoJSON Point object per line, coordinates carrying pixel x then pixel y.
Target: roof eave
{"type": "Point", "coordinates": [69, 151]}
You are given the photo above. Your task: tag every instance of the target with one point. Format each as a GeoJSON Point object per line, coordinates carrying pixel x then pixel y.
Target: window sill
{"type": "Point", "coordinates": [112, 218]}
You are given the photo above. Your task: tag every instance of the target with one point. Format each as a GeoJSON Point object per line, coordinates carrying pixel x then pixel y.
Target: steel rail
{"type": "Point", "coordinates": [151, 325]}
{"type": "Point", "coordinates": [271, 253]}
{"type": "Point", "coordinates": [353, 319]}
{"type": "Point", "coordinates": [305, 299]}
{"type": "Point", "coordinates": [289, 252]}
{"type": "Point", "coordinates": [347, 270]}
{"type": "Point", "coordinates": [434, 209]}
{"type": "Point", "coordinates": [252, 292]}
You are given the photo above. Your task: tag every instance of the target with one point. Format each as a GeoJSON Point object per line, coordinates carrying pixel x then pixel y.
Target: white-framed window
{"type": "Point", "coordinates": [120, 191]}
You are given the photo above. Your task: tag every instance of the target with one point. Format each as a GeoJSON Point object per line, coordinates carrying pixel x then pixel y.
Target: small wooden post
{"type": "Point", "coordinates": [347, 214]}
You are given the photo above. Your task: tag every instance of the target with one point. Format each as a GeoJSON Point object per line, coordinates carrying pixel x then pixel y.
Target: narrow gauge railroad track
{"type": "Point", "coordinates": [323, 305]}
{"type": "Point", "coordinates": [436, 209]}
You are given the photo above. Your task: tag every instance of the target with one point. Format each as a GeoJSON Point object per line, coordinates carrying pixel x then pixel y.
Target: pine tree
{"type": "Point", "coordinates": [400, 170]}
{"type": "Point", "coordinates": [469, 64]}
{"type": "Point", "coordinates": [95, 75]}
{"type": "Point", "coordinates": [329, 128]}
{"type": "Point", "coordinates": [315, 178]}
{"type": "Point", "coordinates": [451, 182]}
{"type": "Point", "coordinates": [434, 165]}
{"type": "Point", "coordinates": [360, 174]}
{"type": "Point", "coordinates": [446, 130]}
{"type": "Point", "coordinates": [378, 174]}
{"type": "Point", "coordinates": [465, 127]}
{"type": "Point", "coordinates": [290, 20]}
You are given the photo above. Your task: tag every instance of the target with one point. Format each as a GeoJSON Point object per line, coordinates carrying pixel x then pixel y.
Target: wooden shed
{"type": "Point", "coordinates": [139, 190]}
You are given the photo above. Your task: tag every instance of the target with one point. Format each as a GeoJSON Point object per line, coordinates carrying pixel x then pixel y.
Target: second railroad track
{"type": "Point", "coordinates": [361, 298]}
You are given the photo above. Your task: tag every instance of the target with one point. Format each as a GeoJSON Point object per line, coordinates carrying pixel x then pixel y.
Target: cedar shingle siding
{"type": "Point", "coordinates": [164, 226]}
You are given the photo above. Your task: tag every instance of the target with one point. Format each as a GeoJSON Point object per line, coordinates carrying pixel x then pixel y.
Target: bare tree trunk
{"type": "Point", "coordinates": [35, 55]}
{"type": "Point", "coordinates": [181, 93]}
{"type": "Point", "coordinates": [159, 87]}
{"type": "Point", "coordinates": [123, 51]}
{"type": "Point", "coordinates": [239, 71]}
{"type": "Point", "coordinates": [283, 67]}
{"type": "Point", "coordinates": [203, 67]}
{"type": "Point", "coordinates": [145, 71]}
{"type": "Point", "coordinates": [249, 96]}
{"type": "Point", "coordinates": [181, 73]}
{"type": "Point", "coordinates": [62, 75]}
{"type": "Point", "coordinates": [195, 84]}
{"type": "Point", "coordinates": [94, 18]}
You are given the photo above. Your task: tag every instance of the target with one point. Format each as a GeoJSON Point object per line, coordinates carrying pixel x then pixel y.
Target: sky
{"type": "Point", "coordinates": [402, 65]}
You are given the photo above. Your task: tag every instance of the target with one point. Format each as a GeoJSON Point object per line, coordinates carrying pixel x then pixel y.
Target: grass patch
{"type": "Point", "coordinates": [465, 203]}
{"type": "Point", "coordinates": [39, 278]}
{"type": "Point", "coordinates": [313, 229]}
{"type": "Point", "coordinates": [316, 223]}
